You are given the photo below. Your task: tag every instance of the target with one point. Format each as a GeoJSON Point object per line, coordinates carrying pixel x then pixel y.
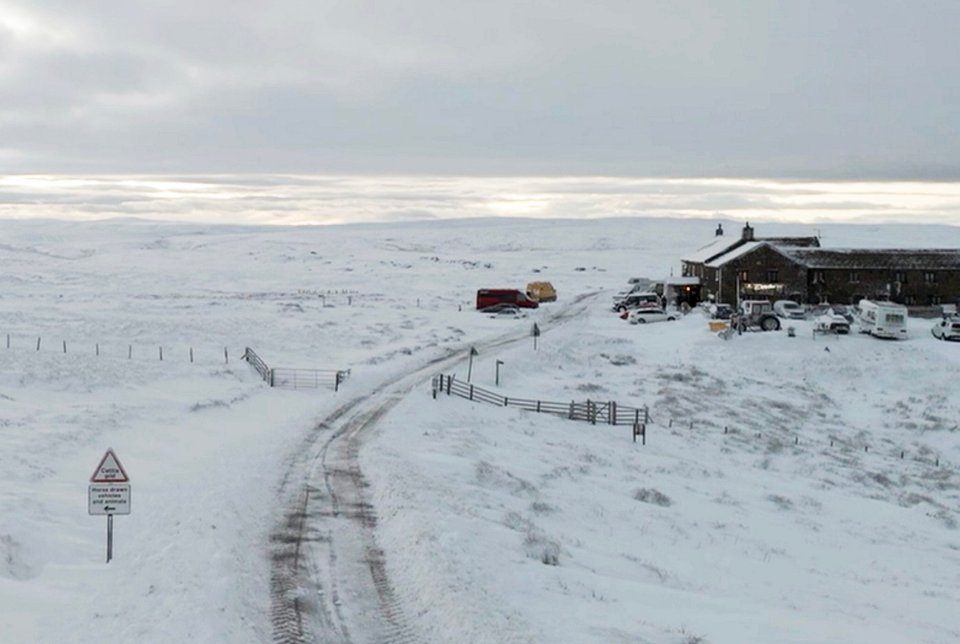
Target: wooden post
{"type": "Point", "coordinates": [471, 392]}
{"type": "Point", "coordinates": [226, 357]}
{"type": "Point", "coordinates": [191, 354]}
{"type": "Point", "coordinates": [129, 351]}
{"type": "Point", "coordinates": [98, 348]}
{"type": "Point", "coordinates": [449, 383]}
{"type": "Point", "coordinates": [64, 346]}
{"type": "Point", "coordinates": [271, 377]}
{"type": "Point", "coordinates": [161, 354]}
{"type": "Point", "coordinates": [38, 344]}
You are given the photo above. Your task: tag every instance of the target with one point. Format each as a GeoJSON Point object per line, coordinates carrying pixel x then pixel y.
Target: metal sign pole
{"type": "Point", "coordinates": [109, 537]}
{"type": "Point", "coordinates": [473, 352]}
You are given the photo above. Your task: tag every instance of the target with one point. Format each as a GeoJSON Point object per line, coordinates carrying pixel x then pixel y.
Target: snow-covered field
{"type": "Point", "coordinates": [770, 503]}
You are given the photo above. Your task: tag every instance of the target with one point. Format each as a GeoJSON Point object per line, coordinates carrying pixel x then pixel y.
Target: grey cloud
{"type": "Point", "coordinates": [799, 89]}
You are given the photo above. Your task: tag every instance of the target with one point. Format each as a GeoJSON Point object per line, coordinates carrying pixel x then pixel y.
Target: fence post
{"type": "Point", "coordinates": [505, 401]}
{"type": "Point", "coordinates": [271, 377]}
{"type": "Point", "coordinates": [471, 392]}
{"type": "Point", "coordinates": [336, 382]}
{"type": "Point", "coordinates": [191, 354]}
{"type": "Point", "coordinates": [571, 409]}
{"type": "Point", "coordinates": [538, 406]}
{"type": "Point", "coordinates": [38, 344]}
{"type": "Point", "coordinates": [98, 348]}
{"type": "Point", "coordinates": [226, 358]}
{"type": "Point", "coordinates": [449, 383]}
{"type": "Point", "coordinates": [64, 346]}
{"type": "Point", "coordinates": [129, 351]}
{"type": "Point", "coordinates": [613, 412]}
{"type": "Point", "coordinates": [161, 354]}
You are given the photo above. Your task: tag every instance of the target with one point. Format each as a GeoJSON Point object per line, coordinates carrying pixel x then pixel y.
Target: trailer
{"type": "Point", "coordinates": [882, 319]}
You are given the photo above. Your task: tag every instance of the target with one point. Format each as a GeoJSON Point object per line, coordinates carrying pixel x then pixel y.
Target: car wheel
{"type": "Point", "coordinates": [621, 309]}
{"type": "Point", "coordinates": [770, 324]}
{"type": "Point", "coordinates": [641, 321]}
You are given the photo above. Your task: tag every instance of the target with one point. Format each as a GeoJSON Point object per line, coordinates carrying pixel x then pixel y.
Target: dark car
{"type": "Point", "coordinates": [721, 311]}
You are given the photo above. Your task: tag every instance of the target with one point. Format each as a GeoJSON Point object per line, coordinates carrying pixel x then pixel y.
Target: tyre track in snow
{"type": "Point", "coordinates": [328, 577]}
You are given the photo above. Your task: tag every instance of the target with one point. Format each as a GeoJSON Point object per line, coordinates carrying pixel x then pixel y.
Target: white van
{"type": "Point", "coordinates": [882, 319]}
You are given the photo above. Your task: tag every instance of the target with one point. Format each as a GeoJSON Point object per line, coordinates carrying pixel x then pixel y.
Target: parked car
{"type": "Point", "coordinates": [947, 329]}
{"type": "Point", "coordinates": [847, 312]}
{"type": "Point", "coordinates": [634, 300]}
{"type": "Point", "coordinates": [831, 322]}
{"type": "Point", "coordinates": [541, 292]}
{"type": "Point", "coordinates": [789, 309]}
{"type": "Point", "coordinates": [647, 315]}
{"type": "Point", "coordinates": [504, 310]}
{"type": "Point", "coordinates": [720, 311]}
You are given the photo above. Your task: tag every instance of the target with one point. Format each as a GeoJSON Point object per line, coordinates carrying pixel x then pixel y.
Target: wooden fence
{"type": "Point", "coordinates": [296, 378]}
{"type": "Point", "coordinates": [591, 411]}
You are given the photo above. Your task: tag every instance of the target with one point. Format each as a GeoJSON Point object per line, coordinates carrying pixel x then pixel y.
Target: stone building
{"type": "Point", "coordinates": [798, 269]}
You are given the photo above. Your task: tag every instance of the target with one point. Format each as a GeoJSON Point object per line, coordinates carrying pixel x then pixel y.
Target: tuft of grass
{"type": "Point", "coordinates": [655, 497]}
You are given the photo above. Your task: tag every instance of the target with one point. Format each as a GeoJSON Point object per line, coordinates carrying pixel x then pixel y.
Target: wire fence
{"type": "Point", "coordinates": [130, 351]}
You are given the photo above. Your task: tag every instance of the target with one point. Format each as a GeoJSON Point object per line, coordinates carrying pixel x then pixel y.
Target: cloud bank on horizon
{"type": "Point", "coordinates": [263, 199]}
{"type": "Point", "coordinates": [806, 89]}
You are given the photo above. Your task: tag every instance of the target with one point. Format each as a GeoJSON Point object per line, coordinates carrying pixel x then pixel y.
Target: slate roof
{"type": "Point", "coordinates": [888, 259]}
{"type": "Point", "coordinates": [805, 242]}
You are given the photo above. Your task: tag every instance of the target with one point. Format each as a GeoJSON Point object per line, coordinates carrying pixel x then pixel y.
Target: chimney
{"type": "Point", "coordinates": [719, 230]}
{"type": "Point", "coordinates": [747, 232]}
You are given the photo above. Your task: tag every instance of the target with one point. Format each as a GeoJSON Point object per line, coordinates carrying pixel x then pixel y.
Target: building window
{"type": "Point", "coordinates": [744, 276]}
{"type": "Point", "coordinates": [935, 299]}
{"type": "Point", "coordinates": [909, 300]}
{"type": "Point", "coordinates": [929, 277]}
{"type": "Point", "coordinates": [900, 276]}
{"type": "Point", "coordinates": [854, 277]}
{"type": "Point", "coordinates": [818, 277]}
{"type": "Point", "coordinates": [773, 276]}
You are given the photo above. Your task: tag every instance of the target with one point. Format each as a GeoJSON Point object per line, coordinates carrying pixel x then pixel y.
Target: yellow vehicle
{"type": "Point", "coordinates": [541, 292]}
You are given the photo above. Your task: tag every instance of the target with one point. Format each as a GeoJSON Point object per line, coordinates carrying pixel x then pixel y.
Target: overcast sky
{"type": "Point", "coordinates": [857, 89]}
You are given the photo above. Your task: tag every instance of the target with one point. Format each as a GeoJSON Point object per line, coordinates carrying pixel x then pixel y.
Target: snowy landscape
{"type": "Point", "coordinates": [791, 489]}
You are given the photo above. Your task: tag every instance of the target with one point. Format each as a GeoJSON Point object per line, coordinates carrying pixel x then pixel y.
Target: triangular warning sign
{"type": "Point", "coordinates": [109, 470]}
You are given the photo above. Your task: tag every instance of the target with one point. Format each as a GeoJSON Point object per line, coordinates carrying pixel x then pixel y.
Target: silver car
{"type": "Point", "coordinates": [947, 329]}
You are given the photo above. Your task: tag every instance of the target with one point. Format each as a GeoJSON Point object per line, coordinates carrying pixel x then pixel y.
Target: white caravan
{"type": "Point", "coordinates": [883, 319]}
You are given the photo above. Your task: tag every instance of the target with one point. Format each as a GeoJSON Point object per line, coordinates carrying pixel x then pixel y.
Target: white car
{"type": "Point", "coordinates": [947, 329]}
{"type": "Point", "coordinates": [647, 315]}
{"type": "Point", "coordinates": [831, 322]}
{"type": "Point", "coordinates": [789, 309]}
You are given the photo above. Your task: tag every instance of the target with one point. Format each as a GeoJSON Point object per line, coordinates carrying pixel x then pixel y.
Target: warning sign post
{"type": "Point", "coordinates": [109, 493]}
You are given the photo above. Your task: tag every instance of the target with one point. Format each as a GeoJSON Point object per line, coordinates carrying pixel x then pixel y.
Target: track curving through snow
{"type": "Point", "coordinates": [328, 578]}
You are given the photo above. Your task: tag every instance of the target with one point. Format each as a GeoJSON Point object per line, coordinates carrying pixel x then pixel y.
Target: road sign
{"type": "Point", "coordinates": [108, 498]}
{"type": "Point", "coordinates": [109, 470]}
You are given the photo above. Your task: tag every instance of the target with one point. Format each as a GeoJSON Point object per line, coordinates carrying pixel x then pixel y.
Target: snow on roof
{"type": "Point", "coordinates": [719, 245]}
{"type": "Point", "coordinates": [888, 259]}
{"type": "Point", "coordinates": [680, 281]}
{"type": "Point", "coordinates": [735, 253]}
